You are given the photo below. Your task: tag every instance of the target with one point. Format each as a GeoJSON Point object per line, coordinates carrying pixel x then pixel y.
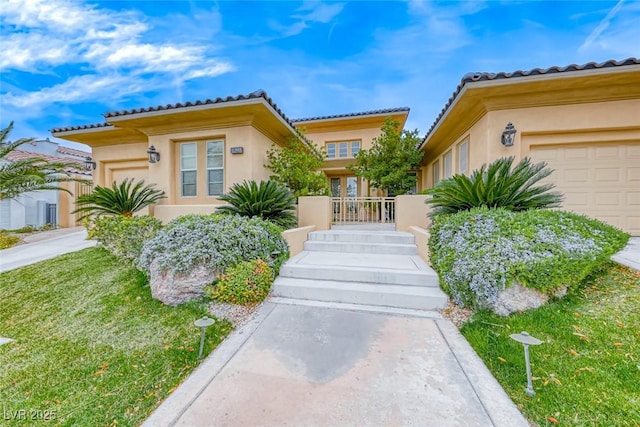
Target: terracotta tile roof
{"type": "Point", "coordinates": [363, 113]}
{"type": "Point", "coordinates": [480, 76]}
{"type": "Point", "coordinates": [73, 152]}
{"type": "Point", "coordinates": [83, 127]}
{"type": "Point", "coordinates": [20, 154]}
{"type": "Point", "coordinates": [253, 95]}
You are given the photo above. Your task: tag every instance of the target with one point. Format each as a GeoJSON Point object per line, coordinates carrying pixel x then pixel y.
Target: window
{"type": "Point", "coordinates": [448, 160]}
{"type": "Point", "coordinates": [215, 168]}
{"type": "Point", "coordinates": [342, 149]}
{"type": "Point", "coordinates": [188, 169]}
{"type": "Point", "coordinates": [463, 157]}
{"type": "Point", "coordinates": [355, 148]}
{"type": "Point", "coordinates": [436, 172]}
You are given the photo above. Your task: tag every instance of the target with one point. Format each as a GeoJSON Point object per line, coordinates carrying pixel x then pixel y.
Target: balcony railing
{"type": "Point", "coordinates": [360, 210]}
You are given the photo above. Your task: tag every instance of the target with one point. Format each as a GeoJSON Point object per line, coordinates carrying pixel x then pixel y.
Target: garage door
{"type": "Point", "coordinates": [599, 180]}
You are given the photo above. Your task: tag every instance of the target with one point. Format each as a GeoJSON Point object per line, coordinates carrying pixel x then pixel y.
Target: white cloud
{"type": "Point", "coordinates": [309, 12]}
{"type": "Point", "coordinates": [102, 45]}
{"type": "Point", "coordinates": [617, 35]}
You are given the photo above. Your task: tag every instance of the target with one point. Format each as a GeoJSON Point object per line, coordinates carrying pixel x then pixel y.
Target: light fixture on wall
{"type": "Point", "coordinates": [89, 164]}
{"type": "Point", "coordinates": [508, 135]}
{"type": "Point", "coordinates": [154, 155]}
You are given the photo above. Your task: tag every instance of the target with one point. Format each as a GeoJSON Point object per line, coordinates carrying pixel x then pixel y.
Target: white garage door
{"type": "Point", "coordinates": [599, 180]}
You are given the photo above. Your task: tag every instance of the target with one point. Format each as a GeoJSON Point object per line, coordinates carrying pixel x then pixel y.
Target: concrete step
{"type": "Point", "coordinates": [363, 248]}
{"type": "Point", "coordinates": [408, 297]}
{"type": "Point", "coordinates": [393, 237]}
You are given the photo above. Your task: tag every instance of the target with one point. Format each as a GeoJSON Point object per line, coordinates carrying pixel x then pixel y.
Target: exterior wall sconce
{"type": "Point", "coordinates": [89, 164]}
{"type": "Point", "coordinates": [508, 135]}
{"type": "Point", "coordinates": [154, 155]}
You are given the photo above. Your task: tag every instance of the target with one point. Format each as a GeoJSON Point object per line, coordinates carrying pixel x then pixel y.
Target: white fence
{"type": "Point", "coordinates": [356, 210]}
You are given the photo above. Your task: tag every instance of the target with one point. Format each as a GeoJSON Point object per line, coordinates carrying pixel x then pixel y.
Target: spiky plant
{"type": "Point", "coordinates": [29, 174]}
{"type": "Point", "coordinates": [496, 186]}
{"type": "Point", "coordinates": [120, 199]}
{"type": "Point", "coordinates": [267, 200]}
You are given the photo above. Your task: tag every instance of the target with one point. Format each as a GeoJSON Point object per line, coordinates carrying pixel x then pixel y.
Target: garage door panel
{"type": "Point", "coordinates": [601, 180]}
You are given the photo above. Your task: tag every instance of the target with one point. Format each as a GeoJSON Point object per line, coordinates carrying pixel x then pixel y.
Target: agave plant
{"type": "Point", "coordinates": [119, 199]}
{"type": "Point", "coordinates": [496, 186]}
{"type": "Point", "coordinates": [268, 200]}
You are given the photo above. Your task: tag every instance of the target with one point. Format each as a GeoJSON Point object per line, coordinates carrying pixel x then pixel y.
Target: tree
{"type": "Point", "coordinates": [391, 156]}
{"type": "Point", "coordinates": [21, 175]}
{"type": "Point", "coordinates": [297, 166]}
{"type": "Point", "coordinates": [119, 199]}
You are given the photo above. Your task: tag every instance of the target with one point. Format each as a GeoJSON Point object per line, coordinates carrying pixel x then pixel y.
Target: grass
{"type": "Point", "coordinates": [587, 370]}
{"type": "Point", "coordinates": [91, 346]}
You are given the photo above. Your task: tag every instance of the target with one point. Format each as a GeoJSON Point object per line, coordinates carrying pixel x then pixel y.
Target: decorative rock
{"type": "Point", "coordinates": [518, 298]}
{"type": "Point", "coordinates": [173, 288]}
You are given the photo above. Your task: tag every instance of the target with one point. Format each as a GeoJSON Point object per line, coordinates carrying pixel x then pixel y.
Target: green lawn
{"type": "Point", "coordinates": [587, 371]}
{"type": "Point", "coordinates": [91, 346]}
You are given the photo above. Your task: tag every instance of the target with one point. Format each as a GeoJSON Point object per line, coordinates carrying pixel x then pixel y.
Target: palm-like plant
{"type": "Point", "coordinates": [496, 186]}
{"type": "Point", "coordinates": [120, 199]}
{"type": "Point", "coordinates": [35, 173]}
{"type": "Point", "coordinates": [267, 200]}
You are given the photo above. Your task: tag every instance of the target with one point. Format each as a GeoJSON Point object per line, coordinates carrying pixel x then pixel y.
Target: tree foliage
{"type": "Point", "coordinates": [297, 165]}
{"type": "Point", "coordinates": [29, 174]}
{"type": "Point", "coordinates": [267, 200]}
{"type": "Point", "coordinates": [496, 186]}
{"type": "Point", "coordinates": [391, 156]}
{"type": "Point", "coordinates": [119, 199]}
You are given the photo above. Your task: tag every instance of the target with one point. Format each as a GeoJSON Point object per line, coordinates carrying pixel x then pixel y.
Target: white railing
{"type": "Point", "coordinates": [359, 210]}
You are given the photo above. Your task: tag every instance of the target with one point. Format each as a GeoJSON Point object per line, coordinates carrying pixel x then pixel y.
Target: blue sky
{"type": "Point", "coordinates": [66, 63]}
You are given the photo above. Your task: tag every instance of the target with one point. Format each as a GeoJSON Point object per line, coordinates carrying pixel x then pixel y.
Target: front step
{"type": "Point", "coordinates": [360, 248]}
{"type": "Point", "coordinates": [413, 297]}
{"type": "Point", "coordinates": [392, 237]}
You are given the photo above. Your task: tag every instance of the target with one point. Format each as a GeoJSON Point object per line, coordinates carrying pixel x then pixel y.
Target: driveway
{"type": "Point", "coordinates": [316, 365]}
{"type": "Point", "coordinates": [41, 246]}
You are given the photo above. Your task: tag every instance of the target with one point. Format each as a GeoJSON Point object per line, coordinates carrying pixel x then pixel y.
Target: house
{"type": "Point", "coordinates": [46, 207]}
{"type": "Point", "coordinates": [206, 146]}
{"type": "Point", "coordinates": [583, 120]}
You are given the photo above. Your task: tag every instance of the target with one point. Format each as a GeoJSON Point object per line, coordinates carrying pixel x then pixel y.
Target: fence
{"type": "Point", "coordinates": [354, 210]}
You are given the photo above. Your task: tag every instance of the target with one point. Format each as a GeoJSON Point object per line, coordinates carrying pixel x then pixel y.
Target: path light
{"type": "Point", "coordinates": [203, 323]}
{"type": "Point", "coordinates": [527, 340]}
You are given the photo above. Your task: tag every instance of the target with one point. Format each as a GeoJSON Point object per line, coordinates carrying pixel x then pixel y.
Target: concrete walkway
{"type": "Point", "coordinates": [317, 365]}
{"type": "Point", "coordinates": [44, 245]}
{"type": "Point", "coordinates": [630, 255]}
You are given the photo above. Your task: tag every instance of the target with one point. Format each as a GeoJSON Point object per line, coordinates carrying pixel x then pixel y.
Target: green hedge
{"type": "Point", "coordinates": [123, 236]}
{"type": "Point", "coordinates": [477, 253]}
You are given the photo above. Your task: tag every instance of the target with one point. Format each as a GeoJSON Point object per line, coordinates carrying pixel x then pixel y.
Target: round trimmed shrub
{"type": "Point", "coordinates": [481, 252]}
{"type": "Point", "coordinates": [215, 241]}
{"type": "Point", "coordinates": [245, 283]}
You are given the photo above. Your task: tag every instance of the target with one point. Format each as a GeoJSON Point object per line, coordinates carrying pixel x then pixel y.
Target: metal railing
{"type": "Point", "coordinates": [360, 210]}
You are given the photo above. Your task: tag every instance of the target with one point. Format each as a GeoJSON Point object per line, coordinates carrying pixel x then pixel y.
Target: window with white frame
{"type": "Point", "coordinates": [436, 172]}
{"type": "Point", "coordinates": [188, 169]}
{"type": "Point", "coordinates": [215, 168]}
{"type": "Point", "coordinates": [463, 157]}
{"type": "Point", "coordinates": [447, 161]}
{"type": "Point", "coordinates": [342, 149]}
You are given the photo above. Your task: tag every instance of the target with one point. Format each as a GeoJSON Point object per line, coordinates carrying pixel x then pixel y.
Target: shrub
{"type": "Point", "coordinates": [123, 236]}
{"type": "Point", "coordinates": [7, 240]}
{"type": "Point", "coordinates": [477, 253]}
{"type": "Point", "coordinates": [495, 186]}
{"type": "Point", "coordinates": [245, 283]}
{"type": "Point", "coordinates": [267, 200]}
{"type": "Point", "coordinates": [216, 241]}
{"type": "Point", "coordinates": [119, 199]}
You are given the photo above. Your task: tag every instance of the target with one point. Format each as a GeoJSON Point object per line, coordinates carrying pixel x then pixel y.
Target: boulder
{"type": "Point", "coordinates": [173, 288]}
{"type": "Point", "coordinates": [519, 298]}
